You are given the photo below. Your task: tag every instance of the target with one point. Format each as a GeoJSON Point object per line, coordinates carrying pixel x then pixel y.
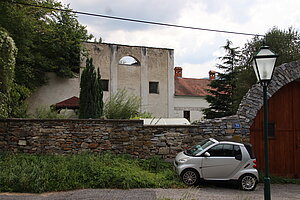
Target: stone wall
{"type": "Point", "coordinates": [117, 136]}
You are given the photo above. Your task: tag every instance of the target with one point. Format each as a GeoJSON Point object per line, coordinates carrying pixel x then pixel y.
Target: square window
{"type": "Point", "coordinates": [187, 114]}
{"type": "Point", "coordinates": [104, 84]}
{"type": "Point", "coordinates": [153, 87]}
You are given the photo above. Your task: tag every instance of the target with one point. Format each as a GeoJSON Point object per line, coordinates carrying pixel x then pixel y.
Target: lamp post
{"type": "Point", "coordinates": [263, 64]}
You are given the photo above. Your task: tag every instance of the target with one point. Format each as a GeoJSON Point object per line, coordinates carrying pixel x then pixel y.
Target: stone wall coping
{"type": "Point", "coordinates": [72, 120]}
{"type": "Point", "coordinates": [172, 126]}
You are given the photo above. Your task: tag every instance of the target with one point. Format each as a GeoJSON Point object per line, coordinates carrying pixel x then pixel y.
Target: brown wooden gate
{"type": "Point", "coordinates": [284, 142]}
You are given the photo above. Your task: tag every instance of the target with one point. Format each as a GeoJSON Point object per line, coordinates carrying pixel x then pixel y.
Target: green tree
{"type": "Point", "coordinates": [47, 40]}
{"type": "Point", "coordinates": [122, 106]}
{"type": "Point", "coordinates": [8, 52]}
{"type": "Point", "coordinates": [222, 93]}
{"type": "Point", "coordinates": [50, 40]}
{"type": "Point", "coordinates": [286, 43]}
{"type": "Point", "coordinates": [91, 93]}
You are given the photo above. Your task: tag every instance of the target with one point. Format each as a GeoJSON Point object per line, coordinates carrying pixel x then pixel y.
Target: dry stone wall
{"type": "Point", "coordinates": [116, 136]}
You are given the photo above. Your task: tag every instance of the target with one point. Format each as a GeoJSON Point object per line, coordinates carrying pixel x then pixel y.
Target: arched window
{"type": "Point", "coordinates": [129, 60]}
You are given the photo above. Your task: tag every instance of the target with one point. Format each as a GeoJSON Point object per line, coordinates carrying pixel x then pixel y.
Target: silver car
{"type": "Point", "coordinates": [219, 161]}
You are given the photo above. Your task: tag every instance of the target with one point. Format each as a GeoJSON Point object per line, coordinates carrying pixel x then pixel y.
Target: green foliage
{"type": "Point", "coordinates": [44, 112]}
{"type": "Point", "coordinates": [8, 52]}
{"type": "Point", "coordinates": [222, 95]}
{"type": "Point", "coordinates": [122, 106]}
{"type": "Point", "coordinates": [91, 92]}
{"type": "Point", "coordinates": [4, 109]}
{"type": "Point", "coordinates": [44, 173]}
{"type": "Point", "coordinates": [285, 43]}
{"type": "Point", "coordinates": [237, 67]}
{"type": "Point", "coordinates": [47, 40]}
{"type": "Point", "coordinates": [17, 104]}
{"type": "Point", "coordinates": [142, 115]}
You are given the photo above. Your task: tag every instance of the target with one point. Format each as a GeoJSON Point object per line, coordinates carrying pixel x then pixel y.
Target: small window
{"type": "Point", "coordinates": [104, 84]}
{"type": "Point", "coordinates": [271, 129]}
{"type": "Point", "coordinates": [129, 60]}
{"type": "Point", "coordinates": [187, 115]}
{"type": "Point", "coordinates": [216, 151]}
{"type": "Point", "coordinates": [237, 150]}
{"type": "Point", "coordinates": [228, 150]}
{"type": "Point", "coordinates": [153, 87]}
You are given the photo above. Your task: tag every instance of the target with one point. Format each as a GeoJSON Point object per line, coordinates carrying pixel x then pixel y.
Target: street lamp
{"type": "Point", "coordinates": [263, 64]}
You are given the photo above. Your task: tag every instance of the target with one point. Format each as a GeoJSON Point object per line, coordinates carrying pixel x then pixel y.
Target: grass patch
{"type": "Point", "coordinates": [45, 173]}
{"type": "Point", "coordinates": [279, 180]}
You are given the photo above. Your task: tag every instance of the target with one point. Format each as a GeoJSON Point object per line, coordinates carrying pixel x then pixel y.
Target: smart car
{"type": "Point", "coordinates": [218, 161]}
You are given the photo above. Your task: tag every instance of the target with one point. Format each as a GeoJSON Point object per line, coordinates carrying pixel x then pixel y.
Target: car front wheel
{"type": "Point", "coordinates": [247, 182]}
{"type": "Point", "coordinates": [190, 177]}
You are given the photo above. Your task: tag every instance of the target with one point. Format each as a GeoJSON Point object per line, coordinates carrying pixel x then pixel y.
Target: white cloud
{"type": "Point", "coordinates": [195, 51]}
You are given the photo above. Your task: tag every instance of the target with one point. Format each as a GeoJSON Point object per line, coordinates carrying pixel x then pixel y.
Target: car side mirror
{"type": "Point", "coordinates": [206, 154]}
{"type": "Point", "coordinates": [238, 157]}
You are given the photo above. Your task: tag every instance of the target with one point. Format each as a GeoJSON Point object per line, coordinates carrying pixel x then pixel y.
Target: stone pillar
{"type": "Point", "coordinates": [113, 69]}
{"type": "Point", "coordinates": [171, 89]}
{"type": "Point", "coordinates": [144, 80]}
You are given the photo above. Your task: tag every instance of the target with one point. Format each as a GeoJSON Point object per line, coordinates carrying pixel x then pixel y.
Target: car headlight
{"type": "Point", "coordinates": [183, 160]}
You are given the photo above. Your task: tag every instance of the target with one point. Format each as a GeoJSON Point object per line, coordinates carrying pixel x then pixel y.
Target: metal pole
{"type": "Point", "coordinates": [267, 193]}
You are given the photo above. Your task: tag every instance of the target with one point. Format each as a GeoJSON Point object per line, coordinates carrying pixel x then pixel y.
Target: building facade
{"type": "Point", "coordinates": [145, 72]}
{"type": "Point", "coordinates": [189, 96]}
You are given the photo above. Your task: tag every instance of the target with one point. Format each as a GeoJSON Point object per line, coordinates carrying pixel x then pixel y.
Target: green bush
{"type": "Point", "coordinates": [122, 106]}
{"type": "Point", "coordinates": [44, 173]}
{"type": "Point", "coordinates": [47, 113]}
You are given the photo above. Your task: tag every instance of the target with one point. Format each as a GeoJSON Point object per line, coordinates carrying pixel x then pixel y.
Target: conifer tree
{"type": "Point", "coordinates": [222, 93]}
{"type": "Point", "coordinates": [91, 92]}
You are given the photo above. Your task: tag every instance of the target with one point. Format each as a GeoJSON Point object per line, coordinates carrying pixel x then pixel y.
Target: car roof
{"type": "Point", "coordinates": [229, 142]}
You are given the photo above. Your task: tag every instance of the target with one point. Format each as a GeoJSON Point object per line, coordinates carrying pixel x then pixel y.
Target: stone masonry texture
{"type": "Point", "coordinates": [131, 136]}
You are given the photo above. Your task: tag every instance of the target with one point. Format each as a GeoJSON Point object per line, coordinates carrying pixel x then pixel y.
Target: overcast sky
{"type": "Point", "coordinates": [195, 51]}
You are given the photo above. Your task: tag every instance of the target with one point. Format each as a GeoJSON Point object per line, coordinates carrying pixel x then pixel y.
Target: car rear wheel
{"type": "Point", "coordinates": [190, 177]}
{"type": "Point", "coordinates": [247, 182]}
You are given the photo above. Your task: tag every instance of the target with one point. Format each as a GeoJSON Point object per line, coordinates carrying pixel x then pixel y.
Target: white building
{"type": "Point", "coordinates": [189, 96]}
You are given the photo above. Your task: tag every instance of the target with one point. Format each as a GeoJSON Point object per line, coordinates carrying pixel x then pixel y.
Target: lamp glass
{"type": "Point", "coordinates": [255, 69]}
{"type": "Point", "coordinates": [265, 68]}
{"type": "Point", "coordinates": [264, 63]}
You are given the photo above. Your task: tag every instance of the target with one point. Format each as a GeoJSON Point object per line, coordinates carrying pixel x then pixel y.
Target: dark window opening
{"type": "Point", "coordinates": [153, 87]}
{"type": "Point", "coordinates": [104, 84]}
{"type": "Point", "coordinates": [271, 129]}
{"type": "Point", "coordinates": [187, 115]}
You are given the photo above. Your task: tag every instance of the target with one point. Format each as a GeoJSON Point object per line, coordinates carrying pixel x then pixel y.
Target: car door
{"type": "Point", "coordinates": [224, 159]}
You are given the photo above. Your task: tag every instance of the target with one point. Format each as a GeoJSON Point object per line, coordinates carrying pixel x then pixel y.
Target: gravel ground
{"type": "Point", "coordinates": [278, 192]}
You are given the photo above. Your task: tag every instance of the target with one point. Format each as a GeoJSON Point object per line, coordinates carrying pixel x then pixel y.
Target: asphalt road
{"type": "Point", "coordinates": [278, 192]}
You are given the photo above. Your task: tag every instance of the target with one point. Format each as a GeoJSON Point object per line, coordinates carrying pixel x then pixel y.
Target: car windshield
{"type": "Point", "coordinates": [194, 150]}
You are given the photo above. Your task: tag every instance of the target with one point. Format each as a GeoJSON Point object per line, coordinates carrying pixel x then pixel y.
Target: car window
{"type": "Point", "coordinates": [216, 150]}
{"type": "Point", "coordinates": [237, 150]}
{"type": "Point", "coordinates": [224, 150]}
{"type": "Point", "coordinates": [228, 150]}
{"type": "Point", "coordinates": [199, 147]}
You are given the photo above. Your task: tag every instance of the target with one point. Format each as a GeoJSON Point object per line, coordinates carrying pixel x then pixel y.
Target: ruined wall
{"type": "Point", "coordinates": [154, 64]}
{"type": "Point", "coordinates": [117, 136]}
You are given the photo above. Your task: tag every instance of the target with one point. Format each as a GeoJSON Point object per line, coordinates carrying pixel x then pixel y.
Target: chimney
{"type": "Point", "coordinates": [212, 75]}
{"type": "Point", "coordinates": [178, 72]}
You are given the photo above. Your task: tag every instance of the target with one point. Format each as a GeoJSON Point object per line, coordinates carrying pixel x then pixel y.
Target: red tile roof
{"type": "Point", "coordinates": [72, 102]}
{"type": "Point", "coordinates": [191, 87]}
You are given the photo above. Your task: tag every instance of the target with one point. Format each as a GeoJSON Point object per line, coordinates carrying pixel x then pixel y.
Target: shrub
{"type": "Point", "coordinates": [44, 112]}
{"type": "Point", "coordinates": [122, 106]}
{"type": "Point", "coordinates": [45, 173]}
